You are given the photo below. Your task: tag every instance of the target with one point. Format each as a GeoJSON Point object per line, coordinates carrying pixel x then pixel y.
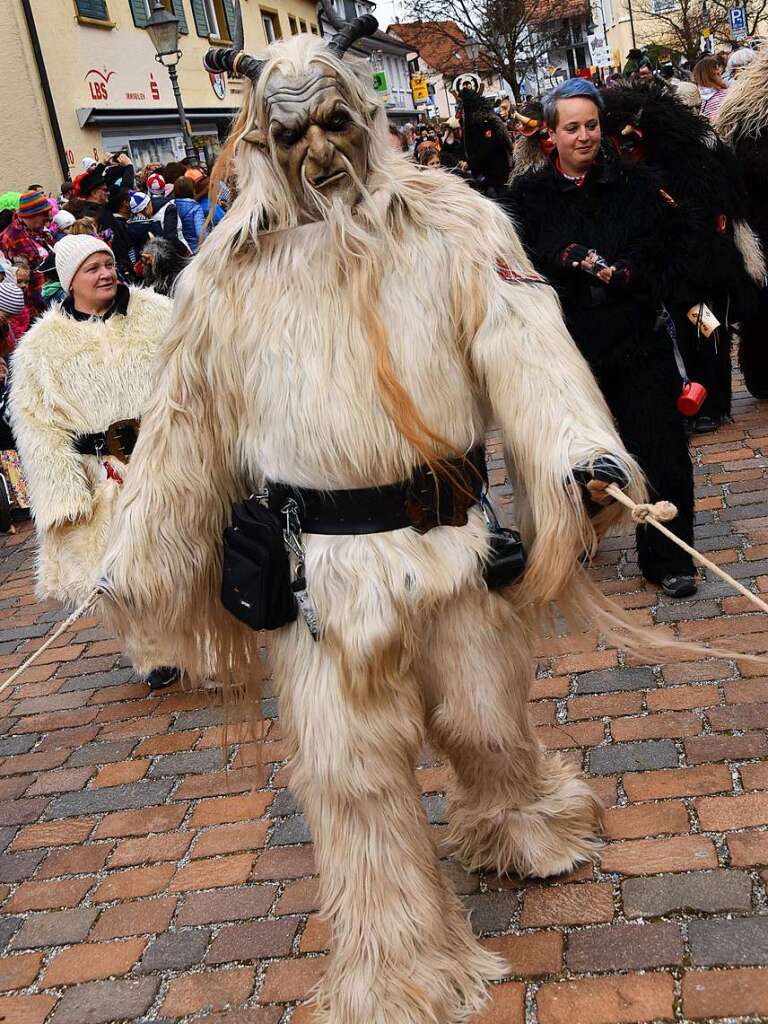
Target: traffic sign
{"type": "Point", "coordinates": [419, 88]}
{"type": "Point", "coordinates": [737, 20]}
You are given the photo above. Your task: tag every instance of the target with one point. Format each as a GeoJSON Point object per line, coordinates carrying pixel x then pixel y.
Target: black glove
{"type": "Point", "coordinates": [603, 468]}
{"type": "Point", "coordinates": [573, 254]}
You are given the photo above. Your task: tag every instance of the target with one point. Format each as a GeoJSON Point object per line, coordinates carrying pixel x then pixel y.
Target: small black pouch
{"type": "Point", "coordinates": [256, 571]}
{"type": "Point", "coordinates": [506, 555]}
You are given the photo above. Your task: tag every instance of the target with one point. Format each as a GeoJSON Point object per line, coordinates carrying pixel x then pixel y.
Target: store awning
{"type": "Point", "coordinates": [118, 117]}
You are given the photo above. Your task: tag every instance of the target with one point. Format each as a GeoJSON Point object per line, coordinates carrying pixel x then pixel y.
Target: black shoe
{"type": "Point", "coordinates": [679, 586]}
{"type": "Point", "coordinates": [159, 678]}
{"type": "Point", "coordinates": [705, 425]}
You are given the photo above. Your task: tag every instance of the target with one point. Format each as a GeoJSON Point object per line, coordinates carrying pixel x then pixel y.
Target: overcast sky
{"type": "Point", "coordinates": [388, 10]}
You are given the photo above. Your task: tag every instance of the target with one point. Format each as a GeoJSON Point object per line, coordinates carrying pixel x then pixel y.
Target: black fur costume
{"type": "Point", "coordinates": [487, 144]}
{"type": "Point", "coordinates": [746, 130]}
{"type": "Point", "coordinates": [701, 176]}
{"type": "Point", "coordinates": [618, 211]}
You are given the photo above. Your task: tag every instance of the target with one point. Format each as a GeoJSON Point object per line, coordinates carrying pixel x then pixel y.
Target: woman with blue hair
{"type": "Point", "coordinates": [605, 237]}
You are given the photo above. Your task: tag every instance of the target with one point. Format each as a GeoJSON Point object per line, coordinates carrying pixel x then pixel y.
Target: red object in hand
{"type": "Point", "coordinates": [691, 398]}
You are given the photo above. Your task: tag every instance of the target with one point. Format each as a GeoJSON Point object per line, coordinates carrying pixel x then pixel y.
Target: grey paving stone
{"type": "Point", "coordinates": [743, 570]}
{"type": "Point", "coordinates": [25, 632]}
{"type": "Point", "coordinates": [625, 947]}
{"type": "Point", "coordinates": [98, 680]}
{"type": "Point", "coordinates": [187, 762]}
{"type": "Point", "coordinates": [8, 928]}
{"type": "Point", "coordinates": [434, 805]}
{"type": "Point", "coordinates": [491, 912]}
{"type": "Point", "coordinates": [269, 708]}
{"type": "Point", "coordinates": [176, 951]}
{"type": "Point", "coordinates": [8, 602]}
{"type": "Point", "coordinates": [53, 615]}
{"type": "Point", "coordinates": [102, 753]}
{"type": "Point", "coordinates": [22, 812]}
{"type": "Point", "coordinates": [633, 757]}
{"type": "Point", "coordinates": [739, 941]}
{"type": "Point", "coordinates": [679, 612]}
{"type": "Point", "coordinates": [101, 1002]}
{"type": "Point", "coordinates": [112, 798]}
{"type": "Point", "coordinates": [712, 891]}
{"type": "Point", "coordinates": [6, 835]}
{"type": "Point", "coordinates": [9, 646]}
{"type": "Point", "coordinates": [56, 928]}
{"type": "Point", "coordinates": [756, 511]}
{"type": "Point", "coordinates": [88, 636]}
{"type": "Point", "coordinates": [22, 744]}
{"type": "Point", "coordinates": [610, 680]}
{"type": "Point", "coordinates": [283, 804]}
{"type": "Point", "coordinates": [198, 719]}
{"type": "Point", "coordinates": [16, 867]}
{"type": "Point", "coordinates": [290, 831]}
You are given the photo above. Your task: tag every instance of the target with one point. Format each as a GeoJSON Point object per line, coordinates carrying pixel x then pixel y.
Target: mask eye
{"type": "Point", "coordinates": [339, 122]}
{"type": "Point", "coordinates": [287, 137]}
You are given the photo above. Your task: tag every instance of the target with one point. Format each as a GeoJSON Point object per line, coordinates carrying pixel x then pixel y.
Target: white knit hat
{"type": "Point", "coordinates": [63, 220]}
{"type": "Point", "coordinates": [72, 251]}
{"type": "Point", "coordinates": [11, 298]}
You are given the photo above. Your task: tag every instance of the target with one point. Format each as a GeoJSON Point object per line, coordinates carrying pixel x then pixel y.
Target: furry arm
{"type": "Point", "coordinates": [59, 488]}
{"type": "Point", "coordinates": [162, 568]}
{"type": "Point", "coordinates": [553, 419]}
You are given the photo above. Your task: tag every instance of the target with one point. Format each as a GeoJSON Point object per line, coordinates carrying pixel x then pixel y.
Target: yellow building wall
{"type": "Point", "coordinates": [90, 66]}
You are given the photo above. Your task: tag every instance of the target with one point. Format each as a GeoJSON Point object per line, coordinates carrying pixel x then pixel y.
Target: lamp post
{"type": "Point", "coordinates": [163, 28]}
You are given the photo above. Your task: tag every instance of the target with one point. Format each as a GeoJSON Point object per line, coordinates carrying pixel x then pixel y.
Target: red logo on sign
{"type": "Point", "coordinates": [154, 88]}
{"type": "Point", "coordinates": [98, 84]}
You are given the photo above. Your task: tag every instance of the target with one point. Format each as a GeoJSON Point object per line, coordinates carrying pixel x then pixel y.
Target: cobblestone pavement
{"type": "Point", "coordinates": [141, 880]}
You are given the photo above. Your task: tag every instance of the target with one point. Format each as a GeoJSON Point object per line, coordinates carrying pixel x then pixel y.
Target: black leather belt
{"type": "Point", "coordinates": [118, 440]}
{"type": "Point", "coordinates": [423, 502]}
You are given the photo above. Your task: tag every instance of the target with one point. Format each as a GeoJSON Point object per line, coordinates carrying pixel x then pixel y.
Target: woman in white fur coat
{"type": "Point", "coordinates": [85, 367]}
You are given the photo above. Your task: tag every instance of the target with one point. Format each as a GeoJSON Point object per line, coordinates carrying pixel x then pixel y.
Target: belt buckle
{"type": "Point", "coordinates": [115, 440]}
{"type": "Point", "coordinates": [432, 500]}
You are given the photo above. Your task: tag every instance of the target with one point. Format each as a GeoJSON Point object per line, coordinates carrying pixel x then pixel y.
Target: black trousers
{"type": "Point", "coordinates": [641, 385]}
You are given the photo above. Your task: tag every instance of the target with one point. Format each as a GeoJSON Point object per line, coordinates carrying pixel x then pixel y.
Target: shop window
{"type": "Point", "coordinates": [293, 25]}
{"type": "Point", "coordinates": [271, 24]}
{"type": "Point", "coordinates": [93, 12]}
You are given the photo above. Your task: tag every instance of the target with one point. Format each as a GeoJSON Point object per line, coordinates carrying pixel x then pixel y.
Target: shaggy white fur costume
{"type": "Point", "coordinates": [77, 377]}
{"type": "Point", "coordinates": [270, 371]}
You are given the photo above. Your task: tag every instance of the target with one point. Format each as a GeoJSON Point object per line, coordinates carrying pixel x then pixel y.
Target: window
{"type": "Point", "coordinates": [271, 25]}
{"type": "Point", "coordinates": [303, 25]}
{"type": "Point", "coordinates": [661, 6]}
{"type": "Point", "coordinates": [293, 25]}
{"type": "Point", "coordinates": [142, 9]}
{"type": "Point", "coordinates": [313, 29]}
{"type": "Point", "coordinates": [93, 12]}
{"type": "Point", "coordinates": [219, 20]}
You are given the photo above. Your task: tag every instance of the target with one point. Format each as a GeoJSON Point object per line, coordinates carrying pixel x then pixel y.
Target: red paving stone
{"type": "Point", "coordinates": [190, 893]}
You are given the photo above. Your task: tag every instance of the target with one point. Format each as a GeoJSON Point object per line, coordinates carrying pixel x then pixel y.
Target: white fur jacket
{"type": "Point", "coordinates": [74, 377]}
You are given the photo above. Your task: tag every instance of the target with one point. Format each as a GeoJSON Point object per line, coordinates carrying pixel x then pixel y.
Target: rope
{"type": "Point", "coordinates": [89, 601]}
{"type": "Point", "coordinates": [652, 514]}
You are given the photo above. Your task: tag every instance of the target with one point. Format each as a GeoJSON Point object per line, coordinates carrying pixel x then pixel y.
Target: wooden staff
{"type": "Point", "coordinates": [664, 510]}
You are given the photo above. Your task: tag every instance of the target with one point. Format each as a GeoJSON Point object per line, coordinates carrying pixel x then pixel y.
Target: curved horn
{"type": "Point", "coordinates": [361, 27]}
{"type": "Point", "coordinates": [527, 122]}
{"type": "Point", "coordinates": [233, 59]}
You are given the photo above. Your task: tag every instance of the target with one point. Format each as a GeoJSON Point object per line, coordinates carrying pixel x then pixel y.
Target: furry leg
{"type": "Point", "coordinates": [513, 808]}
{"type": "Point", "coordinates": [402, 949]}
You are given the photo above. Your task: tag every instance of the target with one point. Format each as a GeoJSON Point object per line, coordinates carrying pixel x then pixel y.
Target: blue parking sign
{"type": "Point", "coordinates": [737, 19]}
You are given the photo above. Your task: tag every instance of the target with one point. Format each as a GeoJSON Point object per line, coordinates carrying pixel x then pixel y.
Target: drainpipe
{"type": "Point", "coordinates": [46, 87]}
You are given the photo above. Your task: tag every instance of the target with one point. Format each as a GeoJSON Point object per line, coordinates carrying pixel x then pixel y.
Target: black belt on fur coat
{"type": "Point", "coordinates": [424, 501]}
{"type": "Point", "coordinates": [118, 440]}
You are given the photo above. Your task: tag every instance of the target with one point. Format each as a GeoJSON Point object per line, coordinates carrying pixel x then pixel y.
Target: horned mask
{"type": "Point", "coordinates": [308, 120]}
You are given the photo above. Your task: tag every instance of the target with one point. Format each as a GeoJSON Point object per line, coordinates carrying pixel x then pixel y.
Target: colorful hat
{"type": "Point", "coordinates": [11, 298]}
{"type": "Point", "coordinates": [139, 201]}
{"type": "Point", "coordinates": [156, 184]}
{"type": "Point", "coordinates": [33, 203]}
{"type": "Point", "coordinates": [10, 200]}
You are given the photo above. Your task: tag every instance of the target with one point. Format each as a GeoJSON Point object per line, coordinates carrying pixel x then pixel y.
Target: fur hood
{"type": "Point", "coordinates": [74, 377]}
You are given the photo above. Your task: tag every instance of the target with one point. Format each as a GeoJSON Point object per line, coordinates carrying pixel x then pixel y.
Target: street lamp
{"type": "Point", "coordinates": [163, 28]}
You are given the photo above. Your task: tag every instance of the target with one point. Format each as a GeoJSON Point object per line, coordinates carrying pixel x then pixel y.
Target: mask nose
{"type": "Point", "coordinates": [319, 152]}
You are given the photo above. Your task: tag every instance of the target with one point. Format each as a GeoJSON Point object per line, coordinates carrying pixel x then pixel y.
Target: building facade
{"type": "Point", "coordinates": [386, 53]}
{"type": "Point", "coordinates": [81, 77]}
